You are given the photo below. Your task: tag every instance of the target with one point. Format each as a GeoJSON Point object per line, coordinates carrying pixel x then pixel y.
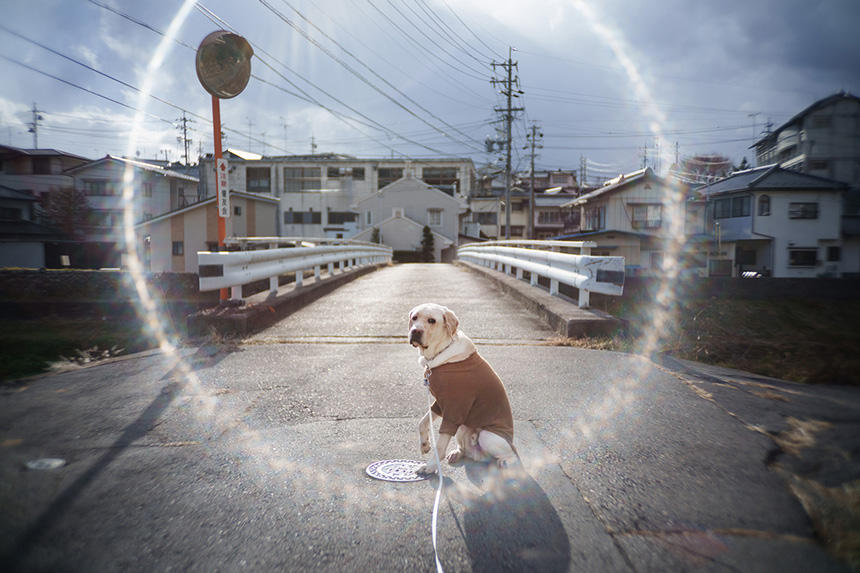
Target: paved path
{"type": "Point", "coordinates": [257, 461]}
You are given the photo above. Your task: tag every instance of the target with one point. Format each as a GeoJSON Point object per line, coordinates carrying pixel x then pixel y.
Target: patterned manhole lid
{"type": "Point", "coordinates": [395, 470]}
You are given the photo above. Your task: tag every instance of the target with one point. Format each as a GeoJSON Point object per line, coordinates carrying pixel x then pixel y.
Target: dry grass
{"type": "Point", "coordinates": [801, 340]}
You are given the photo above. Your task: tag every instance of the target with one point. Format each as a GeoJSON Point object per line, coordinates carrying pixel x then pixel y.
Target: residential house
{"type": "Point", "coordinates": [401, 210]}
{"type": "Point", "coordinates": [37, 171]}
{"type": "Point", "coordinates": [822, 140]}
{"type": "Point", "coordinates": [169, 242]}
{"type": "Point", "coordinates": [777, 222]}
{"type": "Point", "coordinates": [320, 188]}
{"type": "Point", "coordinates": [156, 191]}
{"type": "Point", "coordinates": [629, 216]}
{"type": "Point", "coordinates": [23, 241]}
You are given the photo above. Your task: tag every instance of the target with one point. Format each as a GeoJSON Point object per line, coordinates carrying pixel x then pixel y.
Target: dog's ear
{"type": "Point", "coordinates": [451, 321]}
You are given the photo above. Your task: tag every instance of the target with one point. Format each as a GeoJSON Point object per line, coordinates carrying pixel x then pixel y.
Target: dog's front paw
{"type": "Point", "coordinates": [426, 469]}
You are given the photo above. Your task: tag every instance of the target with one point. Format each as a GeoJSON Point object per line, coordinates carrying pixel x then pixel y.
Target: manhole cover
{"type": "Point", "coordinates": [395, 470]}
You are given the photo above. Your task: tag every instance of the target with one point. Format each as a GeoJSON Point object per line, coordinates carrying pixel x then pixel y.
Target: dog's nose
{"type": "Point", "coordinates": [415, 336]}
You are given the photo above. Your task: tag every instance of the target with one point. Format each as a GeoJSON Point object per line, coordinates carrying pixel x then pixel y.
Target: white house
{"type": "Point", "coordinates": [169, 242]}
{"type": "Point", "coordinates": [156, 190]}
{"type": "Point", "coordinates": [775, 221]}
{"type": "Point", "coordinates": [629, 216]}
{"type": "Point", "coordinates": [402, 209]}
{"type": "Point", "coordinates": [823, 140]}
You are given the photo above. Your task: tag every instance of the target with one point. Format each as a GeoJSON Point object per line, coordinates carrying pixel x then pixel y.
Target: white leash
{"type": "Point", "coordinates": [438, 469]}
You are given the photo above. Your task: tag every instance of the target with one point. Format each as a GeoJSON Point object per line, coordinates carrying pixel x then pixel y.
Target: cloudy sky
{"type": "Point", "coordinates": [612, 83]}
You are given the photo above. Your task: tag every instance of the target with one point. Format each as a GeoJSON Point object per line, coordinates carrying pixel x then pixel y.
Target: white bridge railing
{"type": "Point", "coordinates": [604, 275]}
{"type": "Point", "coordinates": [282, 255]}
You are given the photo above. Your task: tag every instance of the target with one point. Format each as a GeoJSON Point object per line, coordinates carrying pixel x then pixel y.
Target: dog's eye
{"type": "Point", "coordinates": [414, 318]}
{"type": "Point", "coordinates": [431, 320]}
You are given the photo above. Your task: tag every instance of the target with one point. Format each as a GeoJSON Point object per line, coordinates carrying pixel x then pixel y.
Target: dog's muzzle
{"type": "Point", "coordinates": [415, 336]}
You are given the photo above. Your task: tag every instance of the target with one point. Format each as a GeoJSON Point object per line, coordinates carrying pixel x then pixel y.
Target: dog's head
{"type": "Point", "coordinates": [431, 327]}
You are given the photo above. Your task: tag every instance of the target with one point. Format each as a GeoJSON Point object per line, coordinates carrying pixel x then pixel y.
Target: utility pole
{"type": "Point", "coordinates": [34, 126]}
{"type": "Point", "coordinates": [250, 124]}
{"type": "Point", "coordinates": [753, 116]}
{"type": "Point", "coordinates": [183, 125]}
{"type": "Point", "coordinates": [644, 156]}
{"type": "Point", "coordinates": [314, 147]}
{"type": "Point", "coordinates": [533, 137]}
{"type": "Point", "coordinates": [583, 171]}
{"type": "Point", "coordinates": [508, 89]}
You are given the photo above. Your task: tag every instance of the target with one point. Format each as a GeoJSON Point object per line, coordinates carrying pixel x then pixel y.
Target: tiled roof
{"type": "Point", "coordinates": [770, 177]}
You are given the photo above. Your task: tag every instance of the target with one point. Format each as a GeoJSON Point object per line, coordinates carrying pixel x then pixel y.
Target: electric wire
{"type": "Point", "coordinates": [470, 29]}
{"type": "Point", "coordinates": [371, 70]}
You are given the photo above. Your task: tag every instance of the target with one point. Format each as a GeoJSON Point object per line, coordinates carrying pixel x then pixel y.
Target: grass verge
{"type": "Point", "coordinates": [32, 346]}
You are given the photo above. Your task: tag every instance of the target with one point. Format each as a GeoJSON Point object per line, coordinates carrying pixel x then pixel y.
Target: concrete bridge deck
{"type": "Point", "coordinates": [256, 460]}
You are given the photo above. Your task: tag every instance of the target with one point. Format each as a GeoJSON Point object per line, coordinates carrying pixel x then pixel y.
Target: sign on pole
{"type": "Point", "coordinates": [223, 187]}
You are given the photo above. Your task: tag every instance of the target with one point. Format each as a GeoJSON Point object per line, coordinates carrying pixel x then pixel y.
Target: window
{"type": "Point", "coordinates": [332, 173]}
{"type": "Point", "coordinates": [178, 248]}
{"type": "Point", "coordinates": [803, 210]}
{"type": "Point", "coordinates": [386, 175]}
{"type": "Point", "coordinates": [764, 205]}
{"type": "Point", "coordinates": [301, 178]}
{"type": "Point", "coordinates": [147, 189]}
{"type": "Point", "coordinates": [302, 218]}
{"type": "Point", "coordinates": [368, 217]}
{"type": "Point", "coordinates": [443, 178]}
{"type": "Point", "coordinates": [434, 217]}
{"type": "Point", "coordinates": [595, 218]}
{"type": "Point", "coordinates": [341, 217]}
{"type": "Point", "coordinates": [10, 214]}
{"type": "Point", "coordinates": [41, 166]}
{"type": "Point", "coordinates": [258, 179]}
{"type": "Point", "coordinates": [549, 218]}
{"type": "Point", "coordinates": [833, 254]}
{"type": "Point", "coordinates": [732, 207]}
{"type": "Point", "coordinates": [647, 216]}
{"type": "Point", "coordinates": [97, 187]}
{"type": "Point", "coordinates": [802, 257]}
{"type": "Point", "coordinates": [237, 210]}
{"type": "Point", "coordinates": [358, 173]}
{"type": "Point", "coordinates": [485, 218]}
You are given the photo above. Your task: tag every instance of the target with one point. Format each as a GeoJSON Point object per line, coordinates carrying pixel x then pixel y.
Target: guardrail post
{"type": "Point", "coordinates": [583, 298]}
{"type": "Point", "coordinates": [533, 278]}
{"type": "Point", "coordinates": [330, 269]}
{"type": "Point", "coordinates": [316, 272]}
{"type": "Point", "coordinates": [519, 274]}
{"type": "Point", "coordinates": [553, 287]}
{"type": "Point", "coordinates": [340, 263]}
{"type": "Point", "coordinates": [300, 276]}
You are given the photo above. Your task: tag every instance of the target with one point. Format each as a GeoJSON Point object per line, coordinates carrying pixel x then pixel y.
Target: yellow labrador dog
{"type": "Point", "coordinates": [470, 397]}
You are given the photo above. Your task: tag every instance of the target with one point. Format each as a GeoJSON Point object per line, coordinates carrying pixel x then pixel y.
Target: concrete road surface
{"type": "Point", "coordinates": [256, 460]}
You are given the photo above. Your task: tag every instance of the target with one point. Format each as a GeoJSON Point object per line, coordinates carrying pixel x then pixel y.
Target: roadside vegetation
{"type": "Point", "coordinates": [810, 341]}
{"type": "Point", "coordinates": [34, 346]}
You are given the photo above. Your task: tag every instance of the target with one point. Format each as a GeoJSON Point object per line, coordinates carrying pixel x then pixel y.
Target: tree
{"type": "Point", "coordinates": [374, 235]}
{"type": "Point", "coordinates": [743, 166]}
{"type": "Point", "coordinates": [67, 209]}
{"type": "Point", "coordinates": [427, 246]}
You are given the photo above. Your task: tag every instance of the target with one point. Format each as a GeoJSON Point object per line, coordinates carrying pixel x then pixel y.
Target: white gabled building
{"type": "Point", "coordinates": [156, 190]}
{"type": "Point", "coordinates": [629, 217]}
{"type": "Point", "coordinates": [401, 210]}
{"type": "Point", "coordinates": [777, 222]}
{"type": "Point", "coordinates": [170, 241]}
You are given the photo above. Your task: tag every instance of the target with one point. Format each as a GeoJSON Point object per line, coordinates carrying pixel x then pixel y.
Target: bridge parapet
{"type": "Point", "coordinates": [275, 256]}
{"type": "Point", "coordinates": [587, 273]}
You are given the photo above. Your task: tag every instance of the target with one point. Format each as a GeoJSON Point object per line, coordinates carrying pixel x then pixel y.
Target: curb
{"type": "Point", "coordinates": [263, 310]}
{"type": "Point", "coordinates": [561, 313]}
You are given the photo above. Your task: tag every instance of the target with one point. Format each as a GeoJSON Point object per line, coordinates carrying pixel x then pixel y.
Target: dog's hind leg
{"type": "Point", "coordinates": [497, 447]}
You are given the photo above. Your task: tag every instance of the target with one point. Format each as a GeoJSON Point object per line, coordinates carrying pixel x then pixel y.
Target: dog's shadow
{"type": "Point", "coordinates": [512, 526]}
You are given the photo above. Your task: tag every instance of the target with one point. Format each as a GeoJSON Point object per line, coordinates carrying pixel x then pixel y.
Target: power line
{"type": "Point", "coordinates": [471, 31]}
{"type": "Point", "coordinates": [361, 77]}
